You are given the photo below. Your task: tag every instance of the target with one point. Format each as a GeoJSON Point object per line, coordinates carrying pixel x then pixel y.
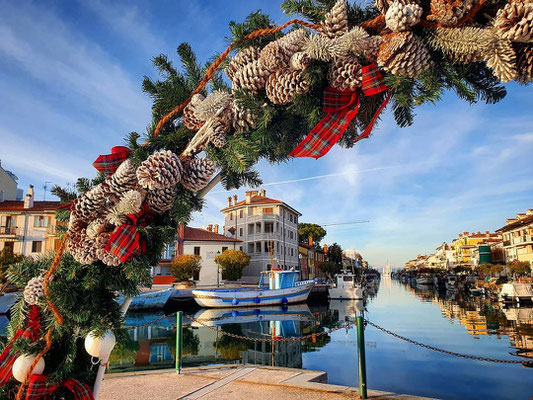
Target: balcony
{"type": "Point", "coordinates": [9, 231]}
{"type": "Point", "coordinates": [523, 240]}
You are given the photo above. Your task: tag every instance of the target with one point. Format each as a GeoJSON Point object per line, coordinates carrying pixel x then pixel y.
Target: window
{"type": "Point", "coordinates": [231, 216]}
{"type": "Point", "coordinates": [36, 246]}
{"type": "Point", "coordinates": [197, 251]}
{"type": "Point", "coordinates": [9, 247]}
{"type": "Point", "coordinates": [40, 221]}
{"type": "Point", "coordinates": [291, 234]}
{"type": "Point", "coordinates": [240, 248]}
{"type": "Point", "coordinates": [241, 214]}
{"type": "Point", "coordinates": [269, 210]}
{"type": "Point", "coordinates": [250, 229]}
{"type": "Point", "coordinates": [224, 249]}
{"type": "Point", "coordinates": [268, 247]}
{"type": "Point", "coordinates": [269, 227]}
{"type": "Point", "coordinates": [240, 232]}
{"type": "Point", "coordinates": [251, 248]}
{"type": "Point", "coordinates": [292, 252]}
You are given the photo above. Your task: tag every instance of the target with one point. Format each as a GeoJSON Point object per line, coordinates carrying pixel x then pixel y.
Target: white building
{"type": "Point", "coordinates": [268, 229]}
{"type": "Point", "coordinates": [8, 186]}
{"type": "Point", "coordinates": [206, 243]}
{"type": "Point", "coordinates": [446, 255]}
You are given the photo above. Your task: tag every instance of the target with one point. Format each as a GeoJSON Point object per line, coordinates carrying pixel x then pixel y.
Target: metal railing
{"type": "Point", "coordinates": [8, 230]}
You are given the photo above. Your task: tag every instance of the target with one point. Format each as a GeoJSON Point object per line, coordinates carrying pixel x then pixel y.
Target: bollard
{"type": "Point", "coordinates": [361, 357]}
{"type": "Point", "coordinates": [179, 340]}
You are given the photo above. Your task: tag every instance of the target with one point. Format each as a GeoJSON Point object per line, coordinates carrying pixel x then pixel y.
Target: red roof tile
{"type": "Point", "coordinates": [37, 206]}
{"type": "Point", "coordinates": [195, 234]}
{"type": "Point", "coordinates": [517, 224]}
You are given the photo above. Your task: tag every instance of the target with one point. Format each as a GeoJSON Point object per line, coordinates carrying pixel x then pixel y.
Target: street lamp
{"type": "Point", "coordinates": [218, 271]}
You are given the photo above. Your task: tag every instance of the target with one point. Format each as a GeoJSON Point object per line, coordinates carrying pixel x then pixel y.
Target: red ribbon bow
{"type": "Point", "coordinates": [125, 241]}
{"type": "Point", "coordinates": [38, 389]}
{"type": "Point", "coordinates": [108, 163]}
{"type": "Point", "coordinates": [341, 108]}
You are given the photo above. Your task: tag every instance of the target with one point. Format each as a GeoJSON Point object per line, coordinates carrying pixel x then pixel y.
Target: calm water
{"type": "Point", "coordinates": [465, 325]}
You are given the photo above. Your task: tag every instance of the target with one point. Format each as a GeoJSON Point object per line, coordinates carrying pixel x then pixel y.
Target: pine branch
{"type": "Point", "coordinates": [192, 70]}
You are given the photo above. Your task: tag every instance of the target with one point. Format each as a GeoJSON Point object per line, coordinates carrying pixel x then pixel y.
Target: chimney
{"type": "Point", "coordinates": [210, 227]}
{"type": "Point", "coordinates": [263, 192]}
{"type": "Point", "coordinates": [28, 201]}
{"type": "Point", "coordinates": [216, 228]}
{"type": "Point", "coordinates": [310, 241]}
{"type": "Point", "coordinates": [234, 199]}
{"type": "Point", "coordinates": [325, 249]}
{"type": "Point", "coordinates": [248, 197]}
{"type": "Point", "coordinates": [229, 201]}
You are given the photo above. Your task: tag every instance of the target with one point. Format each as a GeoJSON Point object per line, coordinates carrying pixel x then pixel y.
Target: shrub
{"type": "Point", "coordinates": [519, 267]}
{"type": "Point", "coordinates": [329, 268]}
{"type": "Point", "coordinates": [232, 263]}
{"type": "Point", "coordinates": [185, 266]}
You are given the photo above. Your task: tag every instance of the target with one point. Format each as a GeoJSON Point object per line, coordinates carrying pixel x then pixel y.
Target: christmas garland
{"type": "Point", "coordinates": [294, 94]}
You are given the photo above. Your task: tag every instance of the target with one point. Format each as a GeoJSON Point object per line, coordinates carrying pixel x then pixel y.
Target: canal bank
{"type": "Point", "coordinates": [233, 383]}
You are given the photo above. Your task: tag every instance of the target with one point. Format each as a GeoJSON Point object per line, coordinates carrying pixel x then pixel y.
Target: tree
{"type": "Point", "coordinates": [519, 267]}
{"type": "Point", "coordinates": [6, 259]}
{"type": "Point", "coordinates": [306, 229]}
{"type": "Point", "coordinates": [232, 263]}
{"type": "Point", "coordinates": [335, 254]}
{"type": "Point", "coordinates": [329, 268]}
{"type": "Point", "coordinates": [185, 266]}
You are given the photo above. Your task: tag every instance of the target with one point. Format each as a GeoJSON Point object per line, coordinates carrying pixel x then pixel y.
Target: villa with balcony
{"type": "Point", "coordinates": [518, 237]}
{"type": "Point", "coordinates": [268, 229]}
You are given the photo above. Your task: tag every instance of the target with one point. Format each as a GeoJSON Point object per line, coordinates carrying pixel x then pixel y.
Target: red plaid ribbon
{"type": "Point", "coordinates": [125, 241]}
{"type": "Point", "coordinates": [341, 108]}
{"type": "Point", "coordinates": [39, 390]}
{"type": "Point", "coordinates": [109, 163]}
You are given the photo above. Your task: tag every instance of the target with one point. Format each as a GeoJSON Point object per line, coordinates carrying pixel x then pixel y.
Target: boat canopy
{"type": "Point", "coordinates": [280, 279]}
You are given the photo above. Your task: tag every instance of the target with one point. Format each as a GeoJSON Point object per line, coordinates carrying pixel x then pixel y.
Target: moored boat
{"type": "Point", "coordinates": [346, 288]}
{"type": "Point", "coordinates": [516, 292]}
{"type": "Point", "coordinates": [424, 280]}
{"type": "Point", "coordinates": [149, 300]}
{"type": "Point", "coordinates": [283, 288]}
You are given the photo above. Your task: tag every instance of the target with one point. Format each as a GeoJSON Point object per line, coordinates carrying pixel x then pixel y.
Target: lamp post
{"type": "Point", "coordinates": [218, 271]}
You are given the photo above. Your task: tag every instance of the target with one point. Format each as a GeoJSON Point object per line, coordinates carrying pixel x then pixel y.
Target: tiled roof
{"type": "Point", "coordinates": [37, 206]}
{"type": "Point", "coordinates": [522, 222]}
{"type": "Point", "coordinates": [254, 200]}
{"type": "Point", "coordinates": [201, 235]}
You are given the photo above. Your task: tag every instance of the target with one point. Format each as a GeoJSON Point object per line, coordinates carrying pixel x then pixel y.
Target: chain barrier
{"type": "Point", "coordinates": [155, 321]}
{"type": "Point", "coordinates": [451, 353]}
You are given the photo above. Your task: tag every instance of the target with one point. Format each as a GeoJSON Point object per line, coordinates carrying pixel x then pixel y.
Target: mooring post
{"type": "Point", "coordinates": [179, 340]}
{"type": "Point", "coordinates": [361, 356]}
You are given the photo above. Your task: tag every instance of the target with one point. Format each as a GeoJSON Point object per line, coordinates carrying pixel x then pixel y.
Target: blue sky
{"type": "Point", "coordinates": [70, 89]}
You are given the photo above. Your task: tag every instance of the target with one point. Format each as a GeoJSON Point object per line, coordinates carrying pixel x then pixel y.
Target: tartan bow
{"type": "Point", "coordinates": [108, 163]}
{"type": "Point", "coordinates": [125, 241]}
{"type": "Point", "coordinates": [341, 107]}
{"type": "Point", "coordinates": [39, 390]}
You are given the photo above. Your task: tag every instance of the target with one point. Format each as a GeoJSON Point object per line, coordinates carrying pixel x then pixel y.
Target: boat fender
{"type": "Point", "coordinates": [284, 300]}
{"type": "Point", "coordinates": [234, 313]}
{"type": "Point", "coordinates": [257, 311]}
{"type": "Point", "coordinates": [234, 301]}
{"type": "Point", "coordinates": [257, 300]}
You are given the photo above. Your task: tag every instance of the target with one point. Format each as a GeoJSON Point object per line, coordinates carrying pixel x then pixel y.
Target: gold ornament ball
{"type": "Point", "coordinates": [23, 363]}
{"type": "Point", "coordinates": [100, 346]}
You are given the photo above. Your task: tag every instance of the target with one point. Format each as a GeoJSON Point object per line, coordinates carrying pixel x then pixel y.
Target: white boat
{"type": "Point", "coordinates": [424, 280]}
{"type": "Point", "coordinates": [7, 300]}
{"type": "Point", "coordinates": [516, 292]}
{"type": "Point", "coordinates": [346, 288]}
{"type": "Point", "coordinates": [282, 289]}
{"type": "Point", "coordinates": [148, 300]}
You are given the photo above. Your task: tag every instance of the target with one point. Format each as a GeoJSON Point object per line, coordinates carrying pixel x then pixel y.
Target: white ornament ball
{"type": "Point", "coordinates": [23, 363]}
{"type": "Point", "coordinates": [100, 347]}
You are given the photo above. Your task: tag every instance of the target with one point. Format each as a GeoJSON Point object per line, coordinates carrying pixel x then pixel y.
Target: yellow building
{"type": "Point", "coordinates": [28, 227]}
{"type": "Point", "coordinates": [465, 244]}
{"type": "Point", "coordinates": [518, 237]}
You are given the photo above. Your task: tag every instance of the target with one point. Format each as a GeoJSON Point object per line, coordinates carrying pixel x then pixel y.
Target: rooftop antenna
{"type": "Point", "coordinates": [45, 188]}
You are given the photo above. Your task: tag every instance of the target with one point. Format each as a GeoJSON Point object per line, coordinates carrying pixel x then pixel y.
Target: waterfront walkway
{"type": "Point", "coordinates": [234, 382]}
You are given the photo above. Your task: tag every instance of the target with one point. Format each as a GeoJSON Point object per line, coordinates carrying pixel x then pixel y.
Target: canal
{"type": "Point", "coordinates": [450, 321]}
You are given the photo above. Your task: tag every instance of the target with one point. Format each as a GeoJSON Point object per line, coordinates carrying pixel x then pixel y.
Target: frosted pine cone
{"type": "Point", "coordinates": [243, 118]}
{"type": "Point", "coordinates": [130, 203]}
{"type": "Point", "coordinates": [283, 85]}
{"type": "Point", "coordinates": [400, 17]}
{"type": "Point", "coordinates": [277, 54]}
{"type": "Point", "coordinates": [515, 22]}
{"type": "Point", "coordinates": [190, 120]}
{"type": "Point", "coordinates": [299, 61]}
{"type": "Point", "coordinates": [335, 23]}
{"type": "Point", "coordinates": [242, 58]}
{"type": "Point", "coordinates": [197, 173]}
{"type": "Point", "coordinates": [524, 61]}
{"type": "Point", "coordinates": [404, 54]}
{"type": "Point", "coordinates": [84, 249]}
{"type": "Point", "coordinates": [160, 170]}
{"type": "Point", "coordinates": [123, 179]}
{"type": "Point", "coordinates": [449, 12]}
{"type": "Point", "coordinates": [96, 226]}
{"type": "Point", "coordinates": [345, 74]}
{"type": "Point", "coordinates": [34, 290]}
{"type": "Point", "coordinates": [109, 259]}
{"type": "Point", "coordinates": [319, 47]}
{"type": "Point", "coordinates": [211, 105]}
{"type": "Point", "coordinates": [160, 201]}
{"type": "Point", "coordinates": [372, 46]}
{"type": "Point", "coordinates": [90, 203]}
{"type": "Point", "coordinates": [251, 77]}
{"type": "Point", "coordinates": [218, 140]}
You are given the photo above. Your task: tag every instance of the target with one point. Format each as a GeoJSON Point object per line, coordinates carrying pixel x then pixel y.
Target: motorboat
{"type": "Point", "coordinates": [148, 300]}
{"type": "Point", "coordinates": [345, 288]}
{"type": "Point", "coordinates": [516, 292]}
{"type": "Point", "coordinates": [424, 280]}
{"type": "Point", "coordinates": [283, 288]}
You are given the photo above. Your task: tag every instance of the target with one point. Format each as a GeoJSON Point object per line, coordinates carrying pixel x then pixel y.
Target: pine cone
{"type": "Point", "coordinates": [283, 85]}
{"type": "Point", "coordinates": [211, 105]}
{"type": "Point", "coordinates": [197, 173]}
{"type": "Point", "coordinates": [83, 249]}
{"type": "Point", "coordinates": [524, 61]}
{"type": "Point", "coordinates": [299, 61]}
{"type": "Point", "coordinates": [96, 226]}
{"type": "Point", "coordinates": [251, 77]}
{"type": "Point", "coordinates": [218, 140]}
{"type": "Point", "coordinates": [345, 73]}
{"type": "Point", "coordinates": [383, 5]}
{"type": "Point", "coordinates": [106, 257]}
{"type": "Point", "coordinates": [242, 58]}
{"type": "Point", "coordinates": [515, 22]}
{"type": "Point", "coordinates": [90, 203]}
{"type": "Point", "coordinates": [160, 201]}
{"type": "Point", "coordinates": [161, 170]}
{"type": "Point", "coordinates": [400, 17]}
{"type": "Point", "coordinates": [335, 23]}
{"type": "Point", "coordinates": [243, 118]}
{"type": "Point", "coordinates": [277, 54]}
{"type": "Point", "coordinates": [372, 46]}
{"type": "Point", "coordinates": [449, 12]}
{"type": "Point", "coordinates": [123, 179]}
{"type": "Point", "coordinates": [189, 118]}
{"type": "Point", "coordinates": [130, 203]}
{"type": "Point", "coordinates": [34, 290]}
{"type": "Point", "coordinates": [404, 54]}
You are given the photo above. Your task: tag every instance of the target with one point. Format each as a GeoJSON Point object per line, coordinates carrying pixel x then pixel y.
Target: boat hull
{"type": "Point", "coordinates": [149, 300]}
{"type": "Point", "coordinates": [354, 293]}
{"type": "Point", "coordinates": [215, 298]}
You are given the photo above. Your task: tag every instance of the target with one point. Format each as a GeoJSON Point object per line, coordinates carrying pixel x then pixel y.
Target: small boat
{"type": "Point", "coordinates": [424, 280]}
{"type": "Point", "coordinates": [282, 289]}
{"type": "Point", "coordinates": [7, 300]}
{"type": "Point", "coordinates": [516, 292]}
{"type": "Point", "coordinates": [346, 288]}
{"type": "Point", "coordinates": [148, 300]}
{"type": "Point", "coordinates": [451, 283]}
